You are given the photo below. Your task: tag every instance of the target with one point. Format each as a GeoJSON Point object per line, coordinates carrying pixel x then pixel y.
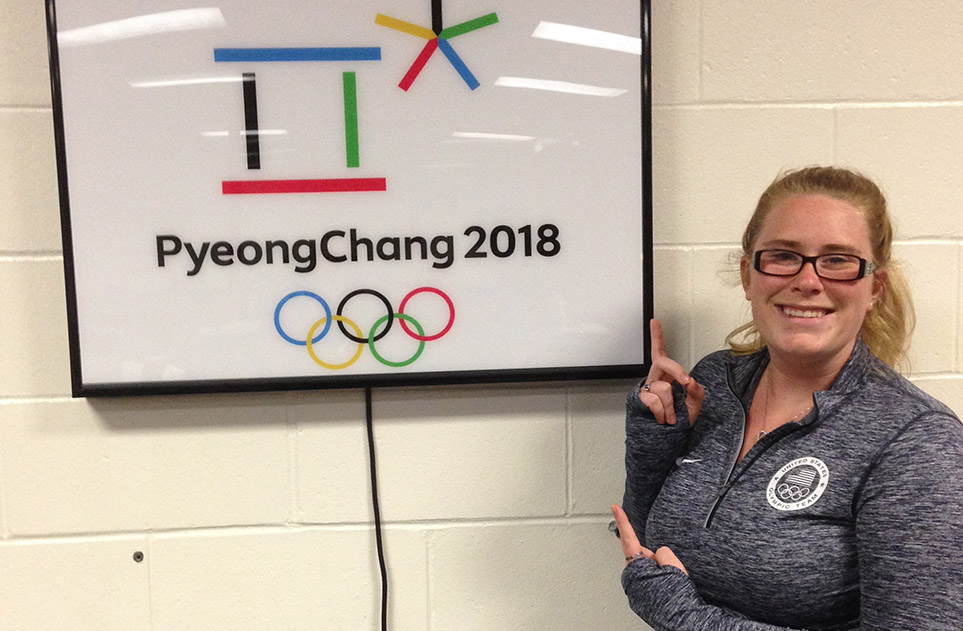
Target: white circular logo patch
{"type": "Point", "coordinates": [798, 484]}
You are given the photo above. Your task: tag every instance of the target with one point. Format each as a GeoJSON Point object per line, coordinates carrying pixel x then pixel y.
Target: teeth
{"type": "Point", "coordinates": [803, 313]}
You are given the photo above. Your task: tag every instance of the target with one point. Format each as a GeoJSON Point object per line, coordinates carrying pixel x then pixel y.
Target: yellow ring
{"type": "Point", "coordinates": [317, 360]}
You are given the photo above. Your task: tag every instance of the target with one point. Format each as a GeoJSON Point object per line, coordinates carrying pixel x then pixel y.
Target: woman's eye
{"type": "Point", "coordinates": [784, 257]}
{"type": "Point", "coordinates": [838, 260]}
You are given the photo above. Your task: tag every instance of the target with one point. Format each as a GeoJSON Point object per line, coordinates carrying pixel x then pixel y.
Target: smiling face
{"type": "Point", "coordinates": [804, 318]}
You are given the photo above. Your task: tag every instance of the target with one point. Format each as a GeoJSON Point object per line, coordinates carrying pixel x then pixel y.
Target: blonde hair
{"type": "Point", "coordinates": [889, 325]}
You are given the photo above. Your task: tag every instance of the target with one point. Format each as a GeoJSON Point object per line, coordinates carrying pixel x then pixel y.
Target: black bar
{"type": "Point", "coordinates": [385, 380]}
{"type": "Point", "coordinates": [648, 277]}
{"type": "Point", "coordinates": [66, 230]}
{"type": "Point", "coordinates": [250, 121]}
{"type": "Point", "coordinates": [437, 25]}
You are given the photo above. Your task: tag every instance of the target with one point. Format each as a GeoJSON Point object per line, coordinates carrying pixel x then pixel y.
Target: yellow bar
{"type": "Point", "coordinates": [405, 27]}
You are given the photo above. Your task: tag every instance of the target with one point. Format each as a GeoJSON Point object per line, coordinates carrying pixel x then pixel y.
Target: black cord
{"type": "Point", "coordinates": [377, 509]}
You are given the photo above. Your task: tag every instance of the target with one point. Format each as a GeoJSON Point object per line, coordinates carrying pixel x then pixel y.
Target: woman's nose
{"type": "Point", "coordinates": [807, 277]}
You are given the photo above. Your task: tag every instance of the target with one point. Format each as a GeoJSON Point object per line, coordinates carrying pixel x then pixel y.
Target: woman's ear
{"type": "Point", "coordinates": [744, 274]}
{"type": "Point", "coordinates": [880, 280]}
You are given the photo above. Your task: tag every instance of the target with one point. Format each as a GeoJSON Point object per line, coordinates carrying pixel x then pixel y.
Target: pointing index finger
{"type": "Point", "coordinates": [662, 364]}
{"type": "Point", "coordinates": [630, 542]}
{"type": "Point", "coordinates": [658, 343]}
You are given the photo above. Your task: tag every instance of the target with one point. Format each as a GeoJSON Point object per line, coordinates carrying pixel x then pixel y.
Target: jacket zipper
{"type": "Point", "coordinates": [721, 493]}
{"type": "Point", "coordinates": [732, 464]}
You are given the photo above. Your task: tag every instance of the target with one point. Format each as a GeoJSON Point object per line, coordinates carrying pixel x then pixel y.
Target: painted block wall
{"type": "Point", "coordinates": [253, 512]}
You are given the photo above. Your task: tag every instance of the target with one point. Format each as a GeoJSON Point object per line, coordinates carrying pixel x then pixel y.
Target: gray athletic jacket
{"type": "Point", "coordinates": [851, 518]}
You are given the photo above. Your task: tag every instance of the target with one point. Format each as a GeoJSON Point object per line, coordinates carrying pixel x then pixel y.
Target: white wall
{"type": "Point", "coordinates": [253, 512]}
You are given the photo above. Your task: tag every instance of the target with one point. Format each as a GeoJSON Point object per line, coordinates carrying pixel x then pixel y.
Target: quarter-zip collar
{"type": "Point", "coordinates": [744, 371]}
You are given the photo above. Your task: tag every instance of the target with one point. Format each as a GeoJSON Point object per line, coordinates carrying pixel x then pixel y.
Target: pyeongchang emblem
{"type": "Point", "coordinates": [798, 484]}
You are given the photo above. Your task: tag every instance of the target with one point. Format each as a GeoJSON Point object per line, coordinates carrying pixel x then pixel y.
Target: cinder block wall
{"type": "Point", "coordinates": [253, 512]}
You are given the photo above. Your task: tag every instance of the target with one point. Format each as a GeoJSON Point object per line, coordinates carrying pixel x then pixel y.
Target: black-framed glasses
{"type": "Point", "coordinates": [828, 266]}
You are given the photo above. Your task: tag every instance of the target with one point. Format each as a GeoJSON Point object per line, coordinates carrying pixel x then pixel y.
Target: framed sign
{"type": "Point", "coordinates": [304, 194]}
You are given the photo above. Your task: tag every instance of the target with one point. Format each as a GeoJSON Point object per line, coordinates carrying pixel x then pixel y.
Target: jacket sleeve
{"type": "Point", "coordinates": [650, 454]}
{"type": "Point", "coordinates": [909, 530]}
{"type": "Point", "coordinates": [665, 597]}
{"type": "Point", "coordinates": [668, 601]}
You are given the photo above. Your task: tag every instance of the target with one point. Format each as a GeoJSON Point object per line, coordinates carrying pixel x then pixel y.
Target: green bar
{"type": "Point", "coordinates": [470, 25]}
{"type": "Point", "coordinates": [351, 119]}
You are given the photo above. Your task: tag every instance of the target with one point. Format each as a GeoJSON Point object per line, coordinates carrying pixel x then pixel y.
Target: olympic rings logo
{"type": "Point", "coordinates": [794, 493]}
{"type": "Point", "coordinates": [798, 484]}
{"type": "Point", "coordinates": [375, 333]}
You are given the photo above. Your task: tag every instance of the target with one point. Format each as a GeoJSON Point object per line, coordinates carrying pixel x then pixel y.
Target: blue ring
{"type": "Point", "coordinates": [277, 318]}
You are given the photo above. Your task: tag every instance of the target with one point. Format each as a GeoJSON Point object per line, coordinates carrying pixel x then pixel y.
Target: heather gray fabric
{"type": "Point", "coordinates": [881, 547]}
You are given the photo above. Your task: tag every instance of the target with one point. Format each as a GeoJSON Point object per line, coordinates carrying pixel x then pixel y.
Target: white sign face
{"type": "Point", "coordinates": [320, 194]}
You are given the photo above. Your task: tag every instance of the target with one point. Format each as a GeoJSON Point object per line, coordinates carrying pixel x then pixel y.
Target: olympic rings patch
{"type": "Point", "coordinates": [798, 484]}
{"type": "Point", "coordinates": [353, 332]}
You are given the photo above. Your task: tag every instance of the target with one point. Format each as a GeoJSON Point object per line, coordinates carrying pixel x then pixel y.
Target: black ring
{"type": "Point", "coordinates": [382, 298]}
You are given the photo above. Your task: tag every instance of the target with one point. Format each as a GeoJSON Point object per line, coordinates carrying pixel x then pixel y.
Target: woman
{"type": "Point", "coordinates": [797, 481]}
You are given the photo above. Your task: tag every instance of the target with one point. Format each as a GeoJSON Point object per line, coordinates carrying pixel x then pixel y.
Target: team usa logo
{"type": "Point", "coordinates": [352, 331]}
{"type": "Point", "coordinates": [798, 484]}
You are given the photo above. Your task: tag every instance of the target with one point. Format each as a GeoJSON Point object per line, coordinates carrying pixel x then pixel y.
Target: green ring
{"type": "Point", "coordinates": [421, 344]}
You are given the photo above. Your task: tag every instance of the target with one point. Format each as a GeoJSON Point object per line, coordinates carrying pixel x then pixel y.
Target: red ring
{"type": "Point", "coordinates": [451, 310]}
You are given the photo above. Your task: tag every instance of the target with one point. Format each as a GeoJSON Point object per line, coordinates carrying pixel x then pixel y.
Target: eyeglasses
{"type": "Point", "coordinates": [828, 266]}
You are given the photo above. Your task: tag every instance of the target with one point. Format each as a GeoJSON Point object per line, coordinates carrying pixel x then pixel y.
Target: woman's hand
{"type": "Point", "coordinates": [634, 550]}
{"type": "Point", "coordinates": [656, 392]}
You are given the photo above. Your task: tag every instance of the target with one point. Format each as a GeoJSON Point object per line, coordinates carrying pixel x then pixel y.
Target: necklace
{"type": "Point", "coordinates": [765, 408]}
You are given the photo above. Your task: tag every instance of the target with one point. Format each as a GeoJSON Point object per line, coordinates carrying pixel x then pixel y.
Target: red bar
{"type": "Point", "coordinates": [327, 185]}
{"type": "Point", "coordinates": [418, 64]}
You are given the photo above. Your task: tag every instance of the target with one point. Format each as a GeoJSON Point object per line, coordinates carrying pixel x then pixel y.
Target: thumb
{"type": "Point", "coordinates": [694, 394]}
{"type": "Point", "coordinates": [665, 556]}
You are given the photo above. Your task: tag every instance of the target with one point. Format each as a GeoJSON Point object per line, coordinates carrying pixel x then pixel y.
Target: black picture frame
{"type": "Point", "coordinates": [83, 387]}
